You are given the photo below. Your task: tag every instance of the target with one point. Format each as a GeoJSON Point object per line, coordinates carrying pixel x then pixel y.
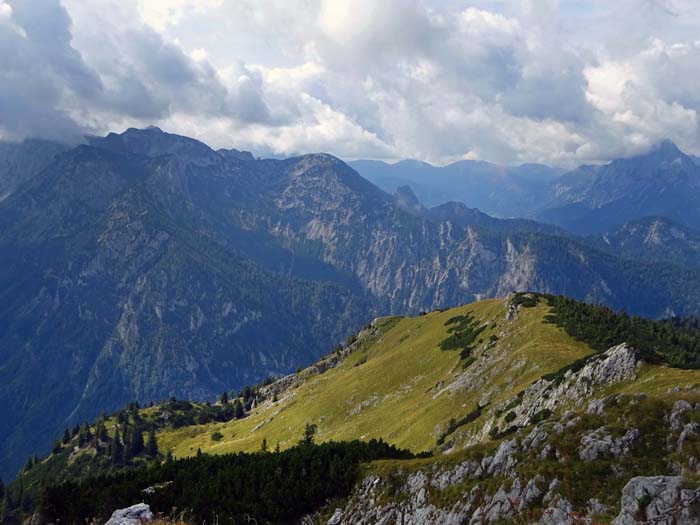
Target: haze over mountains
{"type": "Point", "coordinates": [589, 199]}
{"type": "Point", "coordinates": [145, 265]}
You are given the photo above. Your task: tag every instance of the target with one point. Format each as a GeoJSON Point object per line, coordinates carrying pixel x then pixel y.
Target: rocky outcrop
{"type": "Point", "coordinates": [599, 444]}
{"type": "Point", "coordinates": [138, 514]}
{"type": "Point", "coordinates": [380, 500]}
{"type": "Point", "coordinates": [619, 363]}
{"type": "Point", "coordinates": [658, 500]}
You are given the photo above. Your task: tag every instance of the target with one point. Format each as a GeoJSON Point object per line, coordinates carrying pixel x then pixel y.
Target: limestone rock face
{"type": "Point", "coordinates": [599, 444]}
{"type": "Point", "coordinates": [617, 364]}
{"type": "Point", "coordinates": [138, 514]}
{"type": "Point", "coordinates": [658, 499]}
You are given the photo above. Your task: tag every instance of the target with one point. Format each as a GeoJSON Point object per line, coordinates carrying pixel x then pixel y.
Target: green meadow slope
{"type": "Point", "coordinates": [476, 387]}
{"type": "Point", "coordinates": [397, 384]}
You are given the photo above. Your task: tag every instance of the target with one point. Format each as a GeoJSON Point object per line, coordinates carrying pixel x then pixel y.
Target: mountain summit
{"type": "Point", "coordinates": [661, 182]}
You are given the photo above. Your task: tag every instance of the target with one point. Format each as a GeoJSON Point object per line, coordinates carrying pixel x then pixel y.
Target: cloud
{"type": "Point", "coordinates": [125, 72]}
{"type": "Point", "coordinates": [38, 71]}
{"type": "Point", "coordinates": [438, 80]}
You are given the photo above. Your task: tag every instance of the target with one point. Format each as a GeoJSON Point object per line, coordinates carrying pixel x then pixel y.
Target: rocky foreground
{"type": "Point", "coordinates": [575, 470]}
{"type": "Point", "coordinates": [620, 459]}
{"type": "Point", "coordinates": [570, 458]}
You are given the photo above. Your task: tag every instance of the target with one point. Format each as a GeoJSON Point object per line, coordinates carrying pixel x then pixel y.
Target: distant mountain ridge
{"type": "Point", "coordinates": [587, 200]}
{"type": "Point", "coordinates": [663, 182]}
{"type": "Point", "coordinates": [652, 239]}
{"type": "Point", "coordinates": [145, 264]}
{"type": "Point", "coordinates": [500, 191]}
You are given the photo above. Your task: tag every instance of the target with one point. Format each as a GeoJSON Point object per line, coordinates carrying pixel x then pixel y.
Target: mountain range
{"type": "Point", "coordinates": [590, 199]}
{"type": "Point", "coordinates": [144, 265]}
{"type": "Point", "coordinates": [501, 191]}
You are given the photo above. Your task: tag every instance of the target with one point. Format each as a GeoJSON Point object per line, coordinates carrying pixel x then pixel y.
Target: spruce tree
{"type": "Point", "coordinates": [66, 437]}
{"type": "Point", "coordinates": [224, 398]}
{"type": "Point", "coordinates": [101, 431]}
{"type": "Point", "coordinates": [117, 449]}
{"type": "Point", "coordinates": [136, 445]}
{"type": "Point", "coordinates": [6, 505]}
{"type": "Point", "coordinates": [309, 434]}
{"type": "Point", "coordinates": [238, 412]}
{"type": "Point", "coordinates": [263, 446]}
{"type": "Point", "coordinates": [152, 445]}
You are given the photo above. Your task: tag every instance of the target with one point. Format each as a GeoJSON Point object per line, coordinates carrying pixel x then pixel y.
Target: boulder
{"type": "Point", "coordinates": [658, 499]}
{"type": "Point", "coordinates": [134, 515]}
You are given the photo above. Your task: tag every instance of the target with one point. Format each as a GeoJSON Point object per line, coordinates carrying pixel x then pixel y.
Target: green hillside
{"type": "Point", "coordinates": [450, 383]}
{"type": "Point", "coordinates": [398, 384]}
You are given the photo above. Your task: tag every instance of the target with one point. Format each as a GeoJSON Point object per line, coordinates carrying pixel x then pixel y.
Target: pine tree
{"type": "Point", "coordinates": [238, 412]}
{"type": "Point", "coordinates": [152, 445]}
{"type": "Point", "coordinates": [309, 434]}
{"type": "Point", "coordinates": [84, 435]}
{"type": "Point", "coordinates": [101, 431]}
{"type": "Point", "coordinates": [224, 398]}
{"type": "Point", "coordinates": [6, 506]}
{"type": "Point", "coordinates": [117, 449]}
{"type": "Point", "coordinates": [66, 437]}
{"type": "Point", "coordinates": [263, 447]}
{"type": "Point", "coordinates": [136, 445]}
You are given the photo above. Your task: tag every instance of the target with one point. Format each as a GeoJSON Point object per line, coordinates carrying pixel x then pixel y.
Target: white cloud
{"type": "Point", "coordinates": [534, 80]}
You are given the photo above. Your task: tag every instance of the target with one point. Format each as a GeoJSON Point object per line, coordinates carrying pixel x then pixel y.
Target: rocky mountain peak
{"type": "Point", "coordinates": [236, 154]}
{"type": "Point", "coordinates": [407, 200]}
{"type": "Point", "coordinates": [666, 149]}
{"type": "Point", "coordinates": [153, 142]}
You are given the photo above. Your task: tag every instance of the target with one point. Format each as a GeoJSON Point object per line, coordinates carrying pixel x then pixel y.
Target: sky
{"type": "Point", "coordinates": [558, 82]}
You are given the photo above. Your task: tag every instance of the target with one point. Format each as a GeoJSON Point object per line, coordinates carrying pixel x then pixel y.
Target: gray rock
{"type": "Point", "coordinates": [337, 517]}
{"type": "Point", "coordinates": [551, 491]}
{"type": "Point", "coordinates": [599, 444]}
{"type": "Point", "coordinates": [617, 364]}
{"type": "Point", "coordinates": [679, 407]}
{"type": "Point", "coordinates": [531, 493]}
{"type": "Point", "coordinates": [659, 500]}
{"type": "Point", "coordinates": [134, 515]}
{"type": "Point", "coordinates": [559, 512]}
{"type": "Point", "coordinates": [690, 430]}
{"type": "Point", "coordinates": [597, 407]}
{"type": "Point", "coordinates": [503, 462]}
{"type": "Point", "coordinates": [535, 439]}
{"type": "Point", "coordinates": [595, 507]}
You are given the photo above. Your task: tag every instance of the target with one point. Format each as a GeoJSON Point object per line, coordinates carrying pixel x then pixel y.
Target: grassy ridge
{"type": "Point", "coordinates": [404, 381]}
{"type": "Point", "coordinates": [402, 386]}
